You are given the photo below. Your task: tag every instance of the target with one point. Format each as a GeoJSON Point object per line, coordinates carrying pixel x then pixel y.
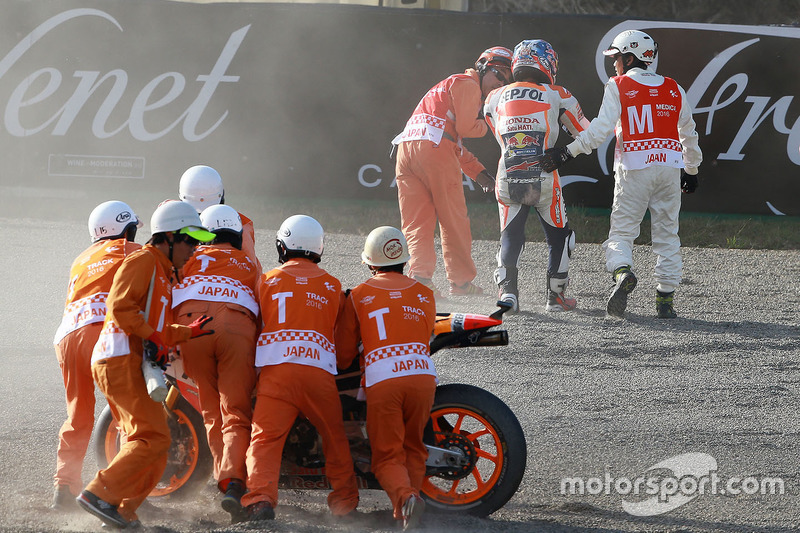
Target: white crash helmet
{"type": "Point", "coordinates": [201, 186]}
{"type": "Point", "coordinates": [181, 217]}
{"type": "Point", "coordinates": [221, 217]}
{"type": "Point", "coordinates": [385, 246]}
{"type": "Point", "coordinates": [113, 220]}
{"type": "Point", "coordinates": [635, 42]}
{"type": "Point", "coordinates": [300, 235]}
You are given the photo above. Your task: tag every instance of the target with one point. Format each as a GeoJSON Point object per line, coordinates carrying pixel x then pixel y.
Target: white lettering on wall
{"type": "Point", "coordinates": [370, 184]}
{"type": "Point", "coordinates": [91, 82]}
{"type": "Point", "coordinates": [759, 110]}
{"type": "Point", "coordinates": [362, 179]}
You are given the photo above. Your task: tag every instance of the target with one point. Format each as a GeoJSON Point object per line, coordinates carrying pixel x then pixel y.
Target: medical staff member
{"type": "Point", "coordinates": [657, 157]}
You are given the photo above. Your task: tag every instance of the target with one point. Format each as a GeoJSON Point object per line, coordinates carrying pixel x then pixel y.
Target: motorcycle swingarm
{"type": "Point", "coordinates": [444, 459]}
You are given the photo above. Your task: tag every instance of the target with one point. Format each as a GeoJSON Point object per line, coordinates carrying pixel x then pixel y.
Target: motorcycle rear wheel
{"type": "Point", "coordinates": [490, 430]}
{"type": "Point", "coordinates": [189, 462]}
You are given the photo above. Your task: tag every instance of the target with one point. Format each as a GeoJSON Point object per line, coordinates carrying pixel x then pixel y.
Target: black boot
{"type": "Point", "coordinates": [625, 281]}
{"type": "Point", "coordinates": [232, 501]}
{"type": "Point", "coordinates": [664, 306]}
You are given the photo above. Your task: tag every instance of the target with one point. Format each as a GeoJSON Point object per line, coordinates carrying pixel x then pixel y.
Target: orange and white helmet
{"type": "Point", "coordinates": [635, 42]}
{"type": "Point", "coordinates": [496, 56]}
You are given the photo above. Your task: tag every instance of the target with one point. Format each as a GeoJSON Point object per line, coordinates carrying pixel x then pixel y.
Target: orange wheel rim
{"type": "Point", "coordinates": [489, 450]}
{"type": "Point", "coordinates": [116, 438]}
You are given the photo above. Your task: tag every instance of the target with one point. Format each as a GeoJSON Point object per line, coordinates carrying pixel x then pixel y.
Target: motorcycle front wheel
{"type": "Point", "coordinates": [189, 462]}
{"type": "Point", "coordinates": [477, 422]}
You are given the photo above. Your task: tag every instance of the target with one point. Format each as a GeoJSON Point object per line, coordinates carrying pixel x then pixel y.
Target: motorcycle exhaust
{"type": "Point", "coordinates": [492, 338]}
{"type": "Point", "coordinates": [464, 339]}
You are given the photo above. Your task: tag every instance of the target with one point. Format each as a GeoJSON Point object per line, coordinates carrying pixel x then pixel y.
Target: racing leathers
{"type": "Point", "coordinates": [220, 281]}
{"type": "Point", "coordinates": [524, 118]}
{"type": "Point", "coordinates": [656, 137]}
{"type": "Point", "coordinates": [117, 370]}
{"type": "Point", "coordinates": [430, 161]}
{"type": "Point", "coordinates": [297, 361]}
{"type": "Point", "coordinates": [393, 316]}
{"type": "Point", "coordinates": [90, 279]}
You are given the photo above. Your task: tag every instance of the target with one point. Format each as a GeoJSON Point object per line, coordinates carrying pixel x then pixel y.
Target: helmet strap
{"type": "Point", "coordinates": [281, 251]}
{"type": "Point", "coordinates": [130, 233]}
{"type": "Point", "coordinates": [634, 62]}
{"type": "Point", "coordinates": [170, 242]}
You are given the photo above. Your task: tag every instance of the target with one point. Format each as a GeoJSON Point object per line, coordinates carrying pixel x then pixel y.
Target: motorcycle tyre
{"type": "Point", "coordinates": [203, 466]}
{"type": "Point", "coordinates": [512, 447]}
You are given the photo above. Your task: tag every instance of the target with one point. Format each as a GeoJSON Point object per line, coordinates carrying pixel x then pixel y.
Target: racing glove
{"type": "Point", "coordinates": [197, 327]}
{"type": "Point", "coordinates": [485, 180]}
{"type": "Point", "coordinates": [156, 350]}
{"type": "Point", "coordinates": [553, 158]}
{"type": "Point", "coordinates": [688, 182]}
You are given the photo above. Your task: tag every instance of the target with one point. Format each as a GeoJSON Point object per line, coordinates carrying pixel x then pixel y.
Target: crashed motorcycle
{"type": "Point", "coordinates": [476, 446]}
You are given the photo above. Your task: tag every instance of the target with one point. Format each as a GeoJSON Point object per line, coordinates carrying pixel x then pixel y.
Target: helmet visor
{"type": "Point", "coordinates": [198, 234]}
{"type": "Point", "coordinates": [501, 73]}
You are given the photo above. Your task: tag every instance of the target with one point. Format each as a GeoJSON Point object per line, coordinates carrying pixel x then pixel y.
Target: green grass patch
{"type": "Point", "coordinates": [590, 224]}
{"type": "Point", "coordinates": [359, 217]}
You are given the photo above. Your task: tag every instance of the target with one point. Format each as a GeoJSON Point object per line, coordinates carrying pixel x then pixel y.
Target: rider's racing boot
{"type": "Point", "coordinates": [556, 299]}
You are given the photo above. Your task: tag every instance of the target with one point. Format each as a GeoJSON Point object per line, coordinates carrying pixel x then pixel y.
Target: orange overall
{"type": "Point", "coordinates": [220, 282]}
{"type": "Point", "coordinates": [430, 162]}
{"type": "Point", "coordinates": [90, 280]}
{"type": "Point", "coordinates": [393, 316]}
{"type": "Point", "coordinates": [117, 370]}
{"type": "Point", "coordinates": [299, 303]}
{"type": "Point", "coordinates": [249, 241]}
